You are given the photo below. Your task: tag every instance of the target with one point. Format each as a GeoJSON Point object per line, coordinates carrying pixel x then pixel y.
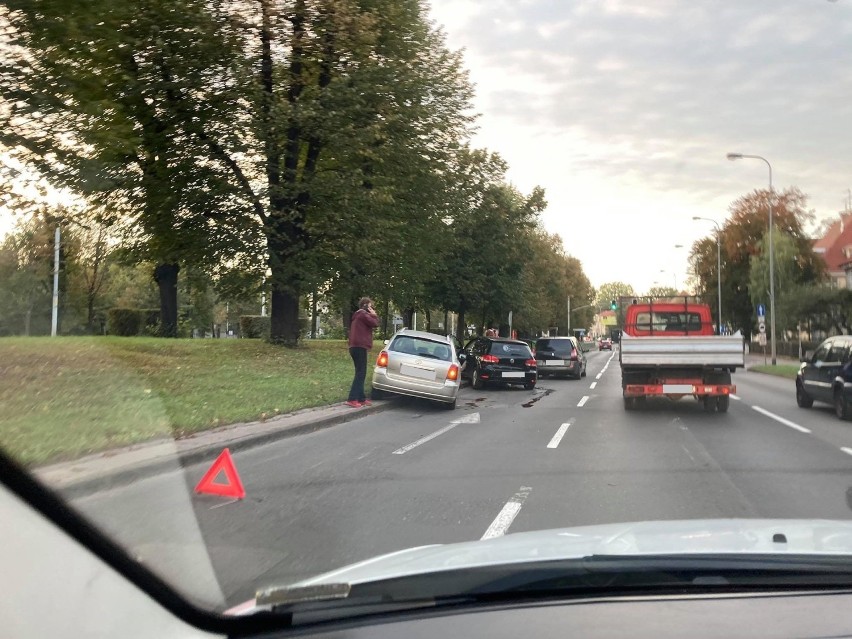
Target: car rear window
{"type": "Point", "coordinates": [560, 346]}
{"type": "Point", "coordinates": [504, 349]}
{"type": "Point", "coordinates": [421, 346]}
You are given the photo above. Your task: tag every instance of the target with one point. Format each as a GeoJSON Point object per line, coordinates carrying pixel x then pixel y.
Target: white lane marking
{"type": "Point", "coordinates": [506, 516]}
{"type": "Point", "coordinates": [780, 419]}
{"type": "Point", "coordinates": [559, 434]}
{"type": "Point", "coordinates": [583, 401]}
{"type": "Point", "coordinates": [593, 385]}
{"type": "Point", "coordinates": [736, 397]}
{"type": "Point", "coordinates": [233, 501]}
{"type": "Point", "coordinates": [473, 418]}
{"type": "Point", "coordinates": [846, 450]}
{"type": "Point", "coordinates": [599, 375]}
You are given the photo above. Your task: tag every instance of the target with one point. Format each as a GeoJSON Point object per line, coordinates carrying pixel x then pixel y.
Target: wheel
{"type": "Point", "coordinates": [629, 403]}
{"type": "Point", "coordinates": [475, 380]}
{"type": "Point", "coordinates": [709, 404]}
{"type": "Point", "coordinates": [378, 394]}
{"type": "Point", "coordinates": [583, 374]}
{"type": "Point", "coordinates": [841, 404]}
{"type": "Point", "coordinates": [802, 398]}
{"type": "Point", "coordinates": [722, 403]}
{"type": "Point", "coordinates": [529, 385]}
{"type": "Point", "coordinates": [448, 405]}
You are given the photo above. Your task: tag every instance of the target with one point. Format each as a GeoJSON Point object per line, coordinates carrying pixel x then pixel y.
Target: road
{"type": "Point", "coordinates": [565, 454]}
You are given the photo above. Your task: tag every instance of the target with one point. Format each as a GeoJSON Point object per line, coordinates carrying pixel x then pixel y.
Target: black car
{"type": "Point", "coordinates": [488, 360]}
{"type": "Point", "coordinates": [825, 375]}
{"type": "Point", "coordinates": [560, 356]}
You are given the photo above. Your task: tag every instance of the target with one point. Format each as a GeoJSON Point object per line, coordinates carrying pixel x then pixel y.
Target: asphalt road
{"type": "Point", "coordinates": [506, 460]}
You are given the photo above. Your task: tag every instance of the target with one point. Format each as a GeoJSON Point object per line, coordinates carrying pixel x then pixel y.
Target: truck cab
{"type": "Point", "coordinates": [668, 318]}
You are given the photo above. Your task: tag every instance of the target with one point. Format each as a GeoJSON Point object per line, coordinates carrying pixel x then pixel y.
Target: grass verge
{"type": "Point", "coordinates": [781, 370]}
{"type": "Point", "coordinates": [61, 398]}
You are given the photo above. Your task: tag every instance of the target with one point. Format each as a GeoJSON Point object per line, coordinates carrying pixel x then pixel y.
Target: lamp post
{"type": "Point", "coordinates": [718, 267]}
{"type": "Point", "coordinates": [740, 156]}
{"type": "Point", "coordinates": [674, 275]}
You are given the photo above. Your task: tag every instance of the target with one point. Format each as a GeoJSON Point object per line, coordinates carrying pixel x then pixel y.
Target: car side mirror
{"type": "Point", "coordinates": [807, 357]}
{"type": "Point", "coordinates": [387, 341]}
{"type": "Point", "coordinates": [462, 356]}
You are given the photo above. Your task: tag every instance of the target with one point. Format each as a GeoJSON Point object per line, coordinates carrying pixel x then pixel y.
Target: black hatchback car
{"type": "Point", "coordinates": [825, 375]}
{"type": "Point", "coordinates": [560, 356]}
{"type": "Point", "coordinates": [487, 360]}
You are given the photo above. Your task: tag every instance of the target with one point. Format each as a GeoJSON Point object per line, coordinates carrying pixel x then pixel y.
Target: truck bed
{"type": "Point", "coordinates": [705, 351]}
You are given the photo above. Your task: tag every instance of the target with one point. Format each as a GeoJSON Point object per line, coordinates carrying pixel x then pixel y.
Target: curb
{"type": "Point", "coordinates": [99, 481]}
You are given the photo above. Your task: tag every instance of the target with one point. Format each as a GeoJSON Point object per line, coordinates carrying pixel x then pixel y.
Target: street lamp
{"type": "Point", "coordinates": [674, 275]}
{"type": "Point", "coordinates": [740, 156]}
{"type": "Point", "coordinates": [718, 266]}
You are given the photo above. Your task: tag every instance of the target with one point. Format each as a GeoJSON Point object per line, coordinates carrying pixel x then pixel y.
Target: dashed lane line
{"type": "Point", "coordinates": [507, 515]}
{"type": "Point", "coordinates": [559, 434]}
{"type": "Point", "coordinates": [583, 401]}
{"type": "Point", "coordinates": [781, 420]}
{"type": "Point", "coordinates": [472, 418]}
{"type": "Point", "coordinates": [593, 385]}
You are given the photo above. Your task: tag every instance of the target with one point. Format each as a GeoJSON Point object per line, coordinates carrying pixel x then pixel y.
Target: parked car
{"type": "Point", "coordinates": [487, 360]}
{"type": "Point", "coordinates": [604, 343]}
{"type": "Point", "coordinates": [418, 364]}
{"type": "Point", "coordinates": [825, 375]}
{"type": "Point", "coordinates": [560, 356]}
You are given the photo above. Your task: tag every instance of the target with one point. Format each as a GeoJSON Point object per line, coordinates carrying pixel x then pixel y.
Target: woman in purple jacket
{"type": "Point", "coordinates": [364, 320]}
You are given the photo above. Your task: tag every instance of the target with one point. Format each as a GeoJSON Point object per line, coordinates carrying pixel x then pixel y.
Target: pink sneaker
{"type": "Point", "coordinates": [367, 402]}
{"type": "Point", "coordinates": [353, 404]}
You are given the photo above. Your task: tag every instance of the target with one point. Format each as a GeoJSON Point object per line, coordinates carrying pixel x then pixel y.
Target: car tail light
{"type": "Point", "coordinates": [574, 354]}
{"type": "Point", "coordinates": [490, 359]}
{"type": "Point", "coordinates": [530, 362]}
{"type": "Point", "coordinates": [382, 361]}
{"type": "Point", "coordinates": [453, 373]}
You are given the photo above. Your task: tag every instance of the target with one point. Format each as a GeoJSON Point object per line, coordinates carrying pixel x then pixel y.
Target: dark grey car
{"type": "Point", "coordinates": [825, 375]}
{"type": "Point", "coordinates": [560, 356]}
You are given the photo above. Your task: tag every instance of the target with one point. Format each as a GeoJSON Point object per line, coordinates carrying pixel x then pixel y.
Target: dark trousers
{"type": "Point", "coordinates": [359, 358]}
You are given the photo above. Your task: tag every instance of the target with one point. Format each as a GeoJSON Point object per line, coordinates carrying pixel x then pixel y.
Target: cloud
{"type": "Point", "coordinates": [646, 98]}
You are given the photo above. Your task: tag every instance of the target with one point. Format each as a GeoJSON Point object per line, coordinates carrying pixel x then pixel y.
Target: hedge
{"type": "Point", "coordinates": [130, 322]}
{"type": "Point", "coordinates": [255, 326]}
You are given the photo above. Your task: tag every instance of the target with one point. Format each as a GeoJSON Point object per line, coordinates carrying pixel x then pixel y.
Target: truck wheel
{"type": "Point", "coordinates": [722, 403]}
{"type": "Point", "coordinates": [629, 403]}
{"type": "Point", "coordinates": [802, 398]}
{"type": "Point", "coordinates": [709, 404]}
{"type": "Point", "coordinates": [841, 404]}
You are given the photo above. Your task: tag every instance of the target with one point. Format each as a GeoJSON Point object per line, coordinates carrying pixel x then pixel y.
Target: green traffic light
{"type": "Point", "coordinates": [613, 305]}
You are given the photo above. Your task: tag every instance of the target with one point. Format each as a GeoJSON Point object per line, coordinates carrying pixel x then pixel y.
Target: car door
{"type": "Point", "coordinates": [813, 376]}
{"type": "Point", "coordinates": [470, 355]}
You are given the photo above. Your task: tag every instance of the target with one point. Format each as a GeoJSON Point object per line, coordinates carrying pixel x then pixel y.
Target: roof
{"type": "Point", "coordinates": [438, 337]}
{"type": "Point", "coordinates": [835, 246]}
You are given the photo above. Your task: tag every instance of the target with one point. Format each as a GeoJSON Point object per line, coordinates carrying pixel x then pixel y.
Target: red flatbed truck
{"type": "Point", "coordinates": [669, 349]}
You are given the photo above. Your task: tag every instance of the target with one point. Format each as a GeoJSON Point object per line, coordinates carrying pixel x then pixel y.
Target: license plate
{"type": "Point", "coordinates": [514, 374]}
{"type": "Point", "coordinates": [679, 389]}
{"type": "Point", "coordinates": [414, 371]}
{"type": "Point", "coordinates": [553, 362]}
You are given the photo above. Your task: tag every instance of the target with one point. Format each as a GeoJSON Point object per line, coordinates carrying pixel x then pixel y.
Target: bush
{"type": "Point", "coordinates": [255, 326]}
{"type": "Point", "coordinates": [125, 322]}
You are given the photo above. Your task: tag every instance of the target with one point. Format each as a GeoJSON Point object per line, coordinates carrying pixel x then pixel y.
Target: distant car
{"type": "Point", "coordinates": [418, 364]}
{"type": "Point", "coordinates": [560, 356]}
{"type": "Point", "coordinates": [825, 375]}
{"type": "Point", "coordinates": [488, 360]}
{"type": "Point", "coordinates": [604, 343]}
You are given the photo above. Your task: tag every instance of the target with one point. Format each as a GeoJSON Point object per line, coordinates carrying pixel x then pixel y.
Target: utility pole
{"type": "Point", "coordinates": [54, 323]}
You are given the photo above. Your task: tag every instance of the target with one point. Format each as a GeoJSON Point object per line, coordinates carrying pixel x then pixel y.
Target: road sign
{"type": "Point", "coordinates": [761, 310]}
{"type": "Point", "coordinates": [761, 319]}
{"type": "Point", "coordinates": [761, 339]}
{"type": "Point", "coordinates": [762, 328]}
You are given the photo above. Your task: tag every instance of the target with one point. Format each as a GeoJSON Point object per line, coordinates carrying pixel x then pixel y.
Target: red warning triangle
{"type": "Point", "coordinates": [233, 486]}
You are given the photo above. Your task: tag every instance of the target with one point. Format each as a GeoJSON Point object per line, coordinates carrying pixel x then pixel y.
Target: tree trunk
{"type": "Point", "coordinates": [461, 326]}
{"type": "Point", "coordinates": [407, 317]}
{"type": "Point", "coordinates": [284, 317]}
{"type": "Point", "coordinates": [428, 320]}
{"type": "Point", "coordinates": [314, 314]}
{"type": "Point", "coordinates": [385, 318]}
{"type": "Point", "coordinates": [166, 276]}
{"type": "Point", "coordinates": [446, 322]}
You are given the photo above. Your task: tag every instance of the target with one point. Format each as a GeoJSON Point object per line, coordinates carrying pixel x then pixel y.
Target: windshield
{"type": "Point", "coordinates": [224, 227]}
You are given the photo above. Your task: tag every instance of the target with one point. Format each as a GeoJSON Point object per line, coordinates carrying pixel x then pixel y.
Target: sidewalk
{"type": "Point", "coordinates": [124, 465]}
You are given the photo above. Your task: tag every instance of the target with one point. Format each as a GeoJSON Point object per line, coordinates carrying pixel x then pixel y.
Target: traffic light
{"type": "Point", "coordinates": [613, 305]}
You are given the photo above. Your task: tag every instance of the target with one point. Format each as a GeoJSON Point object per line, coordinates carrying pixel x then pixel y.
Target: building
{"type": "Point", "coordinates": [835, 247]}
{"type": "Point", "coordinates": [603, 322]}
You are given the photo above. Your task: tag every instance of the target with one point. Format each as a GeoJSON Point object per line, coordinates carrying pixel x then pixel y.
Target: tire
{"type": "Point", "coordinates": [529, 385]}
{"type": "Point", "coordinates": [448, 405]}
{"type": "Point", "coordinates": [475, 380]}
{"type": "Point", "coordinates": [583, 374]}
{"type": "Point", "coordinates": [709, 404]}
{"type": "Point", "coordinates": [722, 403]}
{"type": "Point", "coordinates": [629, 403]}
{"type": "Point", "coordinates": [841, 405]}
{"type": "Point", "coordinates": [802, 398]}
{"type": "Point", "coordinates": [375, 393]}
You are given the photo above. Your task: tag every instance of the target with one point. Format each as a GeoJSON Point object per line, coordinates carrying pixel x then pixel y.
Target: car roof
{"type": "Point", "coordinates": [435, 337]}
{"type": "Point", "coordinates": [568, 337]}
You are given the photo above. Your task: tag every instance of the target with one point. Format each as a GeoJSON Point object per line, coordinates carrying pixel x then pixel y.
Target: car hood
{"type": "Point", "coordinates": [651, 538]}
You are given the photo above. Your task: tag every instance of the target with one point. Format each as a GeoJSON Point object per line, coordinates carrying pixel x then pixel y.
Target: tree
{"type": "Point", "coordinates": [662, 291]}
{"type": "Point", "coordinates": [612, 291]}
{"type": "Point", "coordinates": [741, 239]}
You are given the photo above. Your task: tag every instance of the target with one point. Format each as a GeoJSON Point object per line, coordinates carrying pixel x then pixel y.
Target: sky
{"type": "Point", "coordinates": [625, 110]}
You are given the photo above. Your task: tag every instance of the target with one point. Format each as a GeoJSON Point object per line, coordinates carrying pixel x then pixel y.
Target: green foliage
{"type": "Point", "coordinates": [125, 322]}
{"type": "Point", "coordinates": [254, 326]}
{"type": "Point", "coordinates": [612, 291]}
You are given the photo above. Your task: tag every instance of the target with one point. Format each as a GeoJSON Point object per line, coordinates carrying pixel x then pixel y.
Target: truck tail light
{"type": "Point", "coordinates": [382, 361]}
